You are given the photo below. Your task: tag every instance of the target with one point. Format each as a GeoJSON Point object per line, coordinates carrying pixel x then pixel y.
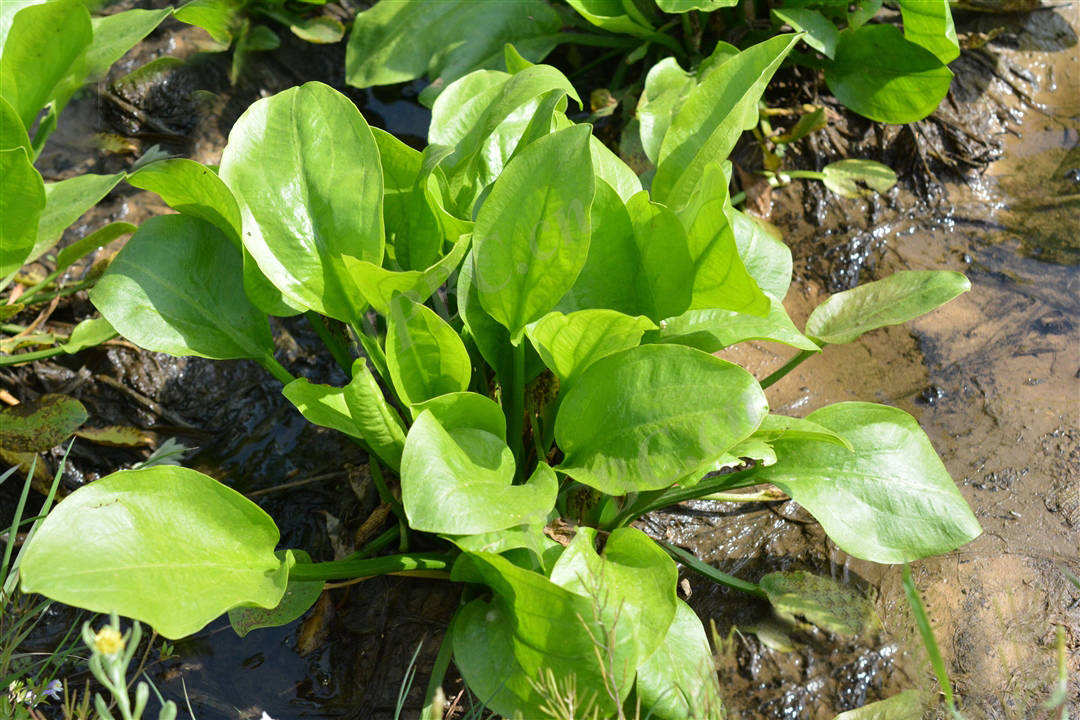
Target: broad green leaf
{"type": "Point", "coordinates": [459, 481]}
{"type": "Point", "coordinates": [891, 501]}
{"type": "Point", "coordinates": [721, 280]}
{"type": "Point", "coordinates": [191, 188]}
{"type": "Point", "coordinates": [175, 288]}
{"type": "Point", "coordinates": [858, 178]}
{"type": "Point", "coordinates": [65, 202]}
{"type": "Point", "coordinates": [115, 34]}
{"type": "Point", "coordinates": [45, 44]}
{"type": "Point", "coordinates": [299, 596]}
{"type": "Point", "coordinates": [22, 198]}
{"type": "Point", "coordinates": [466, 410]}
{"type": "Point", "coordinates": [568, 344]}
{"type": "Point", "coordinates": [930, 23]}
{"type": "Point", "coordinates": [764, 254]}
{"type": "Point", "coordinates": [87, 334]}
{"type": "Point", "coordinates": [321, 30]}
{"type": "Point", "coordinates": [821, 34]}
{"type": "Point", "coordinates": [425, 356]}
{"type": "Point", "coordinates": [359, 410]}
{"type": "Point", "coordinates": [531, 236]}
{"type": "Point", "coordinates": [714, 115]}
{"type": "Point", "coordinates": [902, 296]}
{"type": "Point", "coordinates": [713, 330]}
{"type": "Point", "coordinates": [12, 132]}
{"type": "Point", "coordinates": [646, 417]}
{"type": "Point", "coordinates": [775, 427]}
{"type": "Point", "coordinates": [483, 117]}
{"type": "Point", "coordinates": [611, 15]}
{"type": "Point", "coordinates": [8, 10]}
{"type": "Point", "coordinates": [905, 705]}
{"type": "Point", "coordinates": [530, 627]}
{"type": "Point", "coordinates": [638, 261]}
{"type": "Point", "coordinates": [610, 168]}
{"type": "Point", "coordinates": [395, 42]}
{"type": "Point", "coordinates": [166, 545]}
{"type": "Point", "coordinates": [882, 76]}
{"type": "Point", "coordinates": [101, 237]}
{"type": "Point", "coordinates": [678, 681]}
{"type": "Point", "coordinates": [633, 583]}
{"type": "Point", "coordinates": [379, 285]}
{"type": "Point", "coordinates": [684, 6]}
{"type": "Point", "coordinates": [513, 60]}
{"type": "Point", "coordinates": [861, 12]}
{"type": "Point", "coordinates": [667, 86]}
{"type": "Point", "coordinates": [823, 601]}
{"type": "Point", "coordinates": [544, 550]}
{"type": "Point", "coordinates": [217, 17]}
{"type": "Point", "coordinates": [306, 203]}
{"type": "Point", "coordinates": [40, 425]}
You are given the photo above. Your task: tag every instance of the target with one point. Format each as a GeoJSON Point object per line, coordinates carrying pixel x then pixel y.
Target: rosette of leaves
{"type": "Point", "coordinates": [532, 336]}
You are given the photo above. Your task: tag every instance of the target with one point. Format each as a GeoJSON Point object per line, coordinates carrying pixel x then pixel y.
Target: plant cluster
{"type": "Point", "coordinates": [528, 334]}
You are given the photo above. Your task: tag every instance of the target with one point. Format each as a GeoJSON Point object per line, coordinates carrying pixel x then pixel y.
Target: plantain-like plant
{"type": "Point", "coordinates": [530, 339]}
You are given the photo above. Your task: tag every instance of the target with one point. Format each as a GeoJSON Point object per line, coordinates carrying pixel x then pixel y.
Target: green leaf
{"type": "Point", "coordinates": [217, 17]}
{"type": "Point", "coordinates": [12, 132]}
{"type": "Point", "coordinates": [763, 252]}
{"type": "Point", "coordinates": [458, 480]}
{"type": "Point", "coordinates": [684, 6]}
{"type": "Point", "coordinates": [714, 330]}
{"type": "Point", "coordinates": [882, 76]}
{"type": "Point", "coordinates": [821, 34]}
{"type": "Point", "coordinates": [902, 296]}
{"type": "Point", "coordinates": [611, 15]}
{"type": "Point", "coordinates": [667, 86]}
{"type": "Point", "coordinates": [822, 601]}
{"type": "Point", "coordinates": [929, 23]}
{"type": "Point", "coordinates": [87, 334]}
{"type": "Point", "coordinates": [544, 550]}
{"type": "Point", "coordinates": [166, 545]}
{"type": "Point", "coordinates": [40, 425]}
{"type": "Point", "coordinates": [632, 583]}
{"type": "Point", "coordinates": [678, 681]}
{"type": "Point", "coordinates": [775, 427]}
{"type": "Point", "coordinates": [359, 410]}
{"type": "Point", "coordinates": [530, 627]}
{"type": "Point", "coordinates": [714, 115]}
{"type": "Point", "coordinates": [610, 168]}
{"type": "Point", "coordinates": [379, 285]}
{"type": "Point", "coordinates": [44, 45]}
{"type": "Point", "coordinates": [174, 288]}
{"type": "Point", "coordinates": [115, 34]}
{"type": "Point", "coordinates": [891, 501]}
{"type": "Point", "coordinates": [513, 60]}
{"type": "Point", "coordinates": [467, 409]}
{"type": "Point", "coordinates": [22, 198]}
{"type": "Point", "coordinates": [905, 705]}
{"type": "Point", "coordinates": [394, 42]}
{"type": "Point", "coordinates": [322, 29]}
{"type": "Point", "coordinates": [646, 417]}
{"type": "Point", "coordinates": [65, 202]}
{"type": "Point", "coordinates": [307, 203]}
{"type": "Point", "coordinates": [101, 237]}
{"type": "Point", "coordinates": [568, 344]}
{"type": "Point", "coordinates": [631, 267]}
{"type": "Point", "coordinates": [299, 596]}
{"type": "Point", "coordinates": [425, 356]}
{"type": "Point", "coordinates": [858, 178]}
{"type": "Point", "coordinates": [531, 236]}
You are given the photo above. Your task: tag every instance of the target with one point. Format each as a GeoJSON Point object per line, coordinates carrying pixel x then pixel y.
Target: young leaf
{"type": "Point", "coordinates": [930, 23]}
{"type": "Point", "coordinates": [678, 681]}
{"type": "Point", "coordinates": [22, 198]}
{"type": "Point", "coordinates": [467, 409]}
{"type": "Point", "coordinates": [531, 236]}
{"type": "Point", "coordinates": [882, 76]}
{"type": "Point", "coordinates": [543, 549]}
{"type": "Point", "coordinates": [902, 296]}
{"type": "Point", "coordinates": [763, 253]}
{"type": "Point", "coordinates": [891, 501]}
{"type": "Point", "coordinates": [65, 202]}
{"type": "Point", "coordinates": [87, 334]}
{"type": "Point", "coordinates": [201, 547]}
{"type": "Point", "coordinates": [458, 480]}
{"type": "Point", "coordinates": [396, 42]}
{"type": "Point", "coordinates": [299, 596]}
{"type": "Point", "coordinates": [613, 16]}
{"type": "Point", "coordinates": [217, 17]}
{"type": "Point", "coordinates": [175, 288]}
{"type": "Point", "coordinates": [775, 427]}
{"type": "Point", "coordinates": [646, 417]}
{"type": "Point", "coordinates": [41, 425]}
{"type": "Point", "coordinates": [713, 116]}
{"type": "Point", "coordinates": [667, 86]}
{"type": "Point", "coordinates": [568, 344]}
{"type": "Point", "coordinates": [821, 34]}
{"type": "Point", "coordinates": [379, 285]}
{"type": "Point", "coordinates": [713, 330]}
{"type": "Point", "coordinates": [307, 203]}
{"type": "Point", "coordinates": [847, 177]}
{"type": "Point", "coordinates": [426, 358]}
{"type": "Point", "coordinates": [115, 34]}
{"type": "Point", "coordinates": [12, 132]}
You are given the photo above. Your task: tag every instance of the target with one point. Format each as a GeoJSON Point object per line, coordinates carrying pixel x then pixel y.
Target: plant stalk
{"type": "Point", "coordinates": [369, 567]}
{"type": "Point", "coordinates": [788, 367]}
{"type": "Point", "coordinates": [276, 369]}
{"type": "Point", "coordinates": [514, 408]}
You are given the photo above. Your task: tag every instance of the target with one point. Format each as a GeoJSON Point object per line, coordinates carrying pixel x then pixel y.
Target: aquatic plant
{"type": "Point", "coordinates": [528, 335]}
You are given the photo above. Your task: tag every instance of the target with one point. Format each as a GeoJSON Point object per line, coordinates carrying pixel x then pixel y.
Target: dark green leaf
{"type": "Point", "coordinates": [201, 548]}
{"type": "Point", "coordinates": [821, 34]}
{"type": "Point", "coordinates": [299, 596]}
{"type": "Point", "coordinates": [902, 296]}
{"type": "Point", "coordinates": [426, 358]}
{"type": "Point", "coordinates": [40, 425]}
{"type": "Point", "coordinates": [879, 74]}
{"type": "Point", "coordinates": [22, 198]}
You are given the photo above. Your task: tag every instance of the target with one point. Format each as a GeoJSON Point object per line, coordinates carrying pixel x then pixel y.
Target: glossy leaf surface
{"type": "Point", "coordinates": [175, 288]}
{"type": "Point", "coordinates": [683, 6]}
{"type": "Point", "coordinates": [775, 427]}
{"type": "Point", "coordinates": [821, 34]}
{"type": "Point", "coordinates": [299, 596]}
{"type": "Point", "coordinates": [203, 547]}
{"type": "Point", "coordinates": [890, 501]}
{"type": "Point", "coordinates": [88, 333]}
{"type": "Point", "coordinates": [379, 285]}
{"type": "Point", "coordinates": [425, 356]}
{"type": "Point", "coordinates": [115, 34]}
{"type": "Point", "coordinates": [900, 297]}
{"type": "Point", "coordinates": [12, 132]}
{"type": "Point", "coordinates": [666, 87]}
{"type": "Point", "coordinates": [646, 417]}
{"type": "Point", "coordinates": [568, 344]}
{"type": "Point", "coordinates": [930, 23]}
{"type": "Point", "coordinates": [65, 202]}
{"type": "Point", "coordinates": [713, 330]}
{"type": "Point", "coordinates": [678, 681]}
{"type": "Point", "coordinates": [21, 201]}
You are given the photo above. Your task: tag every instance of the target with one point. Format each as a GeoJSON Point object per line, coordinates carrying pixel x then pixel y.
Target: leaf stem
{"type": "Point", "coordinates": [383, 489]}
{"type": "Point", "coordinates": [697, 565]}
{"type": "Point", "coordinates": [369, 567]}
{"type": "Point", "coordinates": [767, 495]}
{"type": "Point", "coordinates": [7, 360]}
{"type": "Point", "coordinates": [788, 367]}
{"type": "Point", "coordinates": [276, 369]}
{"type": "Point", "coordinates": [438, 671]}
{"type": "Point", "coordinates": [332, 342]}
{"type": "Point", "coordinates": [514, 408]}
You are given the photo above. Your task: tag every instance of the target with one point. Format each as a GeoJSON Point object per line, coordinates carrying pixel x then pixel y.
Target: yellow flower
{"type": "Point", "coordinates": [109, 641]}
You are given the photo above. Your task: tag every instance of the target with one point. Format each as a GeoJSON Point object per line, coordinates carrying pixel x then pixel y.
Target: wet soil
{"type": "Point", "coordinates": [992, 377]}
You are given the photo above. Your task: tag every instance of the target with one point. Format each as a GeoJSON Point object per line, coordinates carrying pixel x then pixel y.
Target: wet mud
{"type": "Point", "coordinates": [992, 377]}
